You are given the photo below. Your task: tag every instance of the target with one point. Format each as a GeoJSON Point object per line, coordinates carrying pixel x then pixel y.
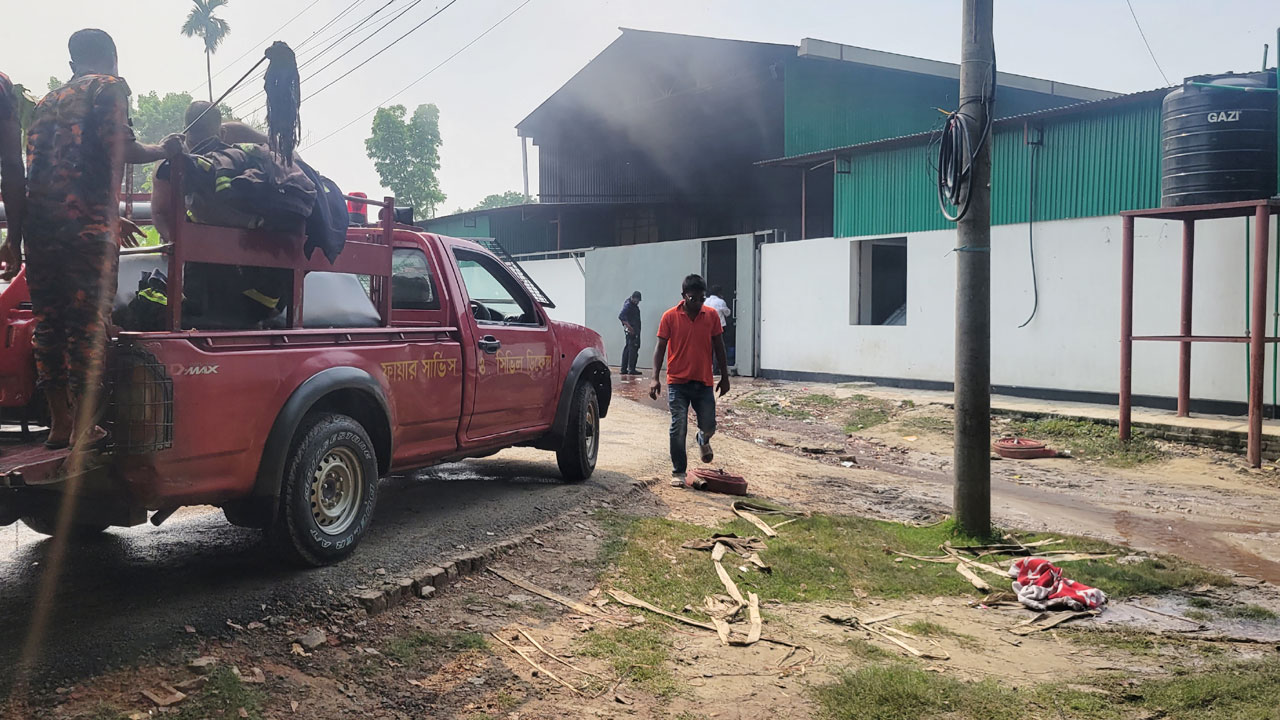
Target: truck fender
{"type": "Point", "coordinates": [307, 395]}
{"type": "Point", "coordinates": [589, 365]}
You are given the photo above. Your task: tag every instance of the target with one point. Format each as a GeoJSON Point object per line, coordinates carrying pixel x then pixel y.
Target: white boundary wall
{"type": "Point", "coordinates": [564, 281]}
{"type": "Point", "coordinates": [657, 270]}
{"type": "Point", "coordinates": [1073, 342]}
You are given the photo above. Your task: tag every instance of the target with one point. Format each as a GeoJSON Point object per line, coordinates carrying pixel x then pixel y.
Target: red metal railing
{"type": "Point", "coordinates": [367, 252]}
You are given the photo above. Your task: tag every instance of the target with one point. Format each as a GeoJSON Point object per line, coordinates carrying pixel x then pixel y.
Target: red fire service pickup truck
{"type": "Point", "coordinates": [410, 349]}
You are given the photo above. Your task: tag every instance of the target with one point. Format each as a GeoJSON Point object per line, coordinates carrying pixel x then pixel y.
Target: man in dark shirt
{"type": "Point", "coordinates": [630, 317]}
{"type": "Point", "coordinates": [77, 145]}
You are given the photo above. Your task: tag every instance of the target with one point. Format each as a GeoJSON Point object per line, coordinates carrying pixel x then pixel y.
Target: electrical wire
{"type": "Point", "coordinates": [1031, 238]}
{"type": "Point", "coordinates": [1144, 42]}
{"type": "Point", "coordinates": [329, 43]}
{"type": "Point", "coordinates": [957, 152]}
{"type": "Point", "coordinates": [422, 77]}
{"type": "Point", "coordinates": [392, 44]}
{"type": "Point", "coordinates": [255, 46]}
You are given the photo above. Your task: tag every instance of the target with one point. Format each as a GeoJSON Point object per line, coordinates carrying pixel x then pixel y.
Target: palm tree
{"type": "Point", "coordinates": [213, 30]}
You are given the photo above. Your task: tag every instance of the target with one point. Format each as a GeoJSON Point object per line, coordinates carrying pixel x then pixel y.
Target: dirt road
{"type": "Point", "coordinates": [1202, 505]}
{"type": "Point", "coordinates": [136, 589]}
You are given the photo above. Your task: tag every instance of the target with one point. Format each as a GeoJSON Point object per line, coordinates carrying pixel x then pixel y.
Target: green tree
{"type": "Point", "coordinates": [508, 198]}
{"type": "Point", "coordinates": [202, 22]}
{"type": "Point", "coordinates": [54, 83]}
{"type": "Point", "coordinates": [406, 155]}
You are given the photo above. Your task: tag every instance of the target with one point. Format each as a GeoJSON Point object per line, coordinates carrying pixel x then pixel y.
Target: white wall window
{"type": "Point", "coordinates": [878, 282]}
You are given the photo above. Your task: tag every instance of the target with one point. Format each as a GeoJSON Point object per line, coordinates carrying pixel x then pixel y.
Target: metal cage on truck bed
{"type": "Point", "coordinates": [367, 252]}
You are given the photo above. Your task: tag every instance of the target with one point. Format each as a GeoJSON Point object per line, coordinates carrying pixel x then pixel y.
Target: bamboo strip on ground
{"type": "Point", "coordinates": [1056, 621]}
{"type": "Point", "coordinates": [754, 520]}
{"type": "Point", "coordinates": [890, 616]}
{"type": "Point", "coordinates": [536, 666]}
{"type": "Point", "coordinates": [718, 552]}
{"type": "Point", "coordinates": [973, 578]}
{"type": "Point", "coordinates": [630, 600]}
{"type": "Point", "coordinates": [555, 597]}
{"type": "Point", "coordinates": [558, 659]}
{"type": "Point", "coordinates": [753, 615]}
{"type": "Point", "coordinates": [722, 629]}
{"type": "Point", "coordinates": [855, 623]}
{"type": "Point", "coordinates": [729, 585]}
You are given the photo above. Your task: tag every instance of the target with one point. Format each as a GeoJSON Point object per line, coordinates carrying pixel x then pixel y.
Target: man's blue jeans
{"type": "Point", "coordinates": [703, 400]}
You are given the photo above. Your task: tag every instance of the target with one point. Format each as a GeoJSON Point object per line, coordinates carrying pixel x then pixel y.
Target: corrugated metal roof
{"type": "Point", "coordinates": [913, 138]}
{"type": "Point", "coordinates": [812, 48]}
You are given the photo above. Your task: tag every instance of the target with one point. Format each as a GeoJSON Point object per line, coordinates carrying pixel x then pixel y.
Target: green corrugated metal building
{"type": "Point", "coordinates": [859, 126]}
{"type": "Point", "coordinates": [1091, 160]}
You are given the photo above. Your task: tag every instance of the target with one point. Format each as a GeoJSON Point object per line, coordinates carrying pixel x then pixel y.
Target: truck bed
{"type": "Point", "coordinates": [29, 463]}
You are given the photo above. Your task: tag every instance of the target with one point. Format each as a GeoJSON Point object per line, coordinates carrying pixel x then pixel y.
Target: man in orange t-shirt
{"type": "Point", "coordinates": [687, 336]}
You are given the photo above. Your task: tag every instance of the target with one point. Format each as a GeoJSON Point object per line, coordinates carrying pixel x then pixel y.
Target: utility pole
{"type": "Point", "coordinates": [973, 280]}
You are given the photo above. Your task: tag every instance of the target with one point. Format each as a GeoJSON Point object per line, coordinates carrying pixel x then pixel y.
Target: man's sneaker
{"type": "Point", "coordinates": [707, 454]}
{"type": "Point", "coordinates": [677, 479]}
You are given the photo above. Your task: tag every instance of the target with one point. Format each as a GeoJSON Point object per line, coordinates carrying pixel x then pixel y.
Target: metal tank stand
{"type": "Point", "coordinates": [1261, 211]}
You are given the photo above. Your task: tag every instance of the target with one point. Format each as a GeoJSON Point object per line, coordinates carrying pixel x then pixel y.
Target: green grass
{"type": "Point", "coordinates": [636, 653]}
{"type": "Point", "coordinates": [819, 399]}
{"type": "Point", "coordinates": [221, 699]}
{"type": "Point", "coordinates": [1249, 612]}
{"type": "Point", "coordinates": [1227, 692]}
{"type": "Point", "coordinates": [928, 628]}
{"type": "Point", "coordinates": [1200, 602]}
{"type": "Point", "coordinates": [825, 557]}
{"type": "Point", "coordinates": [753, 402]}
{"type": "Point", "coordinates": [867, 412]}
{"type": "Point", "coordinates": [408, 648]}
{"type": "Point", "coordinates": [1089, 441]}
{"type": "Point", "coordinates": [1237, 691]}
{"type": "Point", "coordinates": [900, 692]}
{"type": "Point", "coordinates": [1198, 615]}
{"type": "Point", "coordinates": [868, 650]}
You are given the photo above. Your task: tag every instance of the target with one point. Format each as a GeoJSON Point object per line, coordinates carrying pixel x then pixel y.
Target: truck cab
{"type": "Point", "coordinates": [409, 349]}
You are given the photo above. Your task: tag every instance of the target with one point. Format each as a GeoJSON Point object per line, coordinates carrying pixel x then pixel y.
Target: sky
{"type": "Point", "coordinates": [489, 87]}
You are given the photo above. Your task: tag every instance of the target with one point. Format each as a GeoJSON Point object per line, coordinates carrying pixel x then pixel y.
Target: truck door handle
{"type": "Point", "coordinates": [489, 344]}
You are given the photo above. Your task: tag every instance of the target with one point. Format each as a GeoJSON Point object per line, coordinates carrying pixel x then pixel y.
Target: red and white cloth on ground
{"type": "Point", "coordinates": [1040, 586]}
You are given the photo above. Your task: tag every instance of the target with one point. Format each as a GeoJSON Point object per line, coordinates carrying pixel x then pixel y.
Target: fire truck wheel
{"type": "Point", "coordinates": [329, 490]}
{"type": "Point", "coordinates": [45, 522]}
{"type": "Point", "coordinates": [577, 457]}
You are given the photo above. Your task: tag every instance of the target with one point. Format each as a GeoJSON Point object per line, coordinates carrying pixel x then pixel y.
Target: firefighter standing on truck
{"type": "Point", "coordinates": [77, 145]}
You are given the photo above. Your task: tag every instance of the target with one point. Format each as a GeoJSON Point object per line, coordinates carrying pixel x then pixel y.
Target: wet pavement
{"type": "Point", "coordinates": [134, 589]}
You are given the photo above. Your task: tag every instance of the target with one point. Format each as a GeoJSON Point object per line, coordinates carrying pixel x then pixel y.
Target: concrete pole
{"type": "Point", "coordinates": [524, 162]}
{"type": "Point", "coordinates": [973, 282]}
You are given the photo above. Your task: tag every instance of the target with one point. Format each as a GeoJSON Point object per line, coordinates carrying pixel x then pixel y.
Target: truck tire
{"type": "Point", "coordinates": [577, 456]}
{"type": "Point", "coordinates": [328, 492]}
{"type": "Point", "coordinates": [45, 522]}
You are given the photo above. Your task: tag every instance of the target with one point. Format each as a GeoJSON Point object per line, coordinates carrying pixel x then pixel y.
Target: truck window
{"type": "Point", "coordinates": [496, 297]}
{"type": "Point", "coordinates": [412, 285]}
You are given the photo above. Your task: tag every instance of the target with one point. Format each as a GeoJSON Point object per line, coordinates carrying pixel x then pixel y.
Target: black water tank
{"type": "Point", "coordinates": [1218, 145]}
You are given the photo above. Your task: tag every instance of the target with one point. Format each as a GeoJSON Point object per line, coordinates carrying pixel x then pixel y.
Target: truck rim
{"type": "Point", "coordinates": [336, 490]}
{"type": "Point", "coordinates": [589, 430]}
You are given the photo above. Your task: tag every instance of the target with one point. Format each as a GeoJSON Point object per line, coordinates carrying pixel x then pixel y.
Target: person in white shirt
{"type": "Point", "coordinates": [717, 303]}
